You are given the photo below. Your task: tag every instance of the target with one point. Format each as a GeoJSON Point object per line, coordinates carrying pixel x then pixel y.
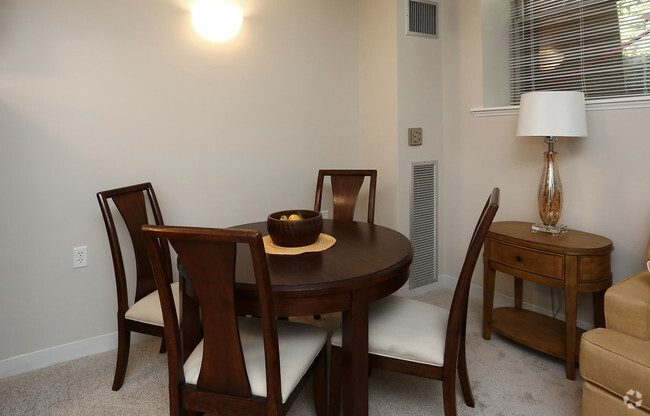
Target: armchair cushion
{"type": "Point", "coordinates": [148, 308]}
{"type": "Point", "coordinates": [299, 346]}
{"type": "Point", "coordinates": [627, 306]}
{"type": "Point", "coordinates": [616, 362]}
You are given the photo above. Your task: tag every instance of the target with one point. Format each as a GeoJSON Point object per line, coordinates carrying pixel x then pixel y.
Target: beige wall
{"type": "Point", "coordinates": [104, 93]}
{"type": "Point", "coordinates": [400, 87]}
{"type": "Point", "coordinates": [419, 85]}
{"type": "Point", "coordinates": [378, 101]}
{"type": "Point", "coordinates": [495, 21]}
{"type": "Point", "coordinates": [604, 176]}
{"type": "Point", "coordinates": [100, 94]}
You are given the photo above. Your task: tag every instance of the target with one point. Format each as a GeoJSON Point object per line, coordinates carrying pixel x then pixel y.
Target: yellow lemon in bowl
{"type": "Point", "coordinates": [294, 217]}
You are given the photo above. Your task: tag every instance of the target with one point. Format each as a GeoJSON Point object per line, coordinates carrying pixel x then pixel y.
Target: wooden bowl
{"type": "Point", "coordinates": [296, 233]}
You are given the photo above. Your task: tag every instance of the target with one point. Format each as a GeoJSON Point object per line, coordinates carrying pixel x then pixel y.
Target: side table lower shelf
{"type": "Point", "coordinates": [539, 332]}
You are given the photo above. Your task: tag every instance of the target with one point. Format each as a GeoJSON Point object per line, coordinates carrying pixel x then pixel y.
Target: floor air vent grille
{"type": "Point", "coordinates": [424, 268]}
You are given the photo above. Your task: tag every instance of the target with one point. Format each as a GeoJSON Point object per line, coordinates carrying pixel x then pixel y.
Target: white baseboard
{"type": "Point", "coordinates": [62, 353]}
{"type": "Point", "coordinates": [476, 292]}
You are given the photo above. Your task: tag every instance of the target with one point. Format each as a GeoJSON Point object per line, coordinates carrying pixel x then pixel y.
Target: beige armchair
{"type": "Point", "coordinates": [615, 361]}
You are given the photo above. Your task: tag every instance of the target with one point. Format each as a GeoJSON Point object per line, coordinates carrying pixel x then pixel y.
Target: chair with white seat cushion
{"type": "Point", "coordinates": [412, 337]}
{"type": "Point", "coordinates": [233, 365]}
{"type": "Point", "coordinates": [145, 315]}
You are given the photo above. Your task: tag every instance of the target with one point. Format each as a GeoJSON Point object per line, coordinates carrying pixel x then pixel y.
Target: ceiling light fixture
{"type": "Point", "coordinates": [216, 21]}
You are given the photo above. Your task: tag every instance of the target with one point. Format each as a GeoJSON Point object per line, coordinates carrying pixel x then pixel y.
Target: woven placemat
{"type": "Point", "coordinates": [324, 242]}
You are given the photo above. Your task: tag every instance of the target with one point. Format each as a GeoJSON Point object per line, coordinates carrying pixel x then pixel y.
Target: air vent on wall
{"type": "Point", "coordinates": [424, 268]}
{"type": "Point", "coordinates": [422, 18]}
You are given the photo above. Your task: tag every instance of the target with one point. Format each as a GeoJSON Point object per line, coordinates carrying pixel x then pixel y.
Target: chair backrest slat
{"type": "Point", "coordinates": [209, 256]}
{"type": "Point", "coordinates": [213, 284]}
{"type": "Point", "coordinates": [346, 185]}
{"type": "Point", "coordinates": [134, 212]}
{"type": "Point", "coordinates": [130, 202]}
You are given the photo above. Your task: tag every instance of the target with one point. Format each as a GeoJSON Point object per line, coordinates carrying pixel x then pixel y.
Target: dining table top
{"type": "Point", "coordinates": [365, 256]}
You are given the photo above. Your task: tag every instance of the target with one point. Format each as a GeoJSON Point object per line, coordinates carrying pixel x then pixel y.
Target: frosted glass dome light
{"type": "Point", "coordinates": [216, 21]}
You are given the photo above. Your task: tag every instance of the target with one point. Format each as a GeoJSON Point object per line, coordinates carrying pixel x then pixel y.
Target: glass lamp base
{"type": "Point", "coordinates": [552, 229]}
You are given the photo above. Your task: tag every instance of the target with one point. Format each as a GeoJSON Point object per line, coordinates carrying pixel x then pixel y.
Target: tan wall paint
{"type": "Point", "coordinates": [105, 93]}
{"type": "Point", "coordinates": [378, 102]}
{"type": "Point", "coordinates": [420, 105]}
{"type": "Point", "coordinates": [604, 176]}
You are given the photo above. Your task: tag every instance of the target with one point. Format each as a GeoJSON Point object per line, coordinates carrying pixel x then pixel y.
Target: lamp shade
{"type": "Point", "coordinates": [552, 114]}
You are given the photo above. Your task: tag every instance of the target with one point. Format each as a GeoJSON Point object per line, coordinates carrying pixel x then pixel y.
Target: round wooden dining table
{"type": "Point", "coordinates": [367, 262]}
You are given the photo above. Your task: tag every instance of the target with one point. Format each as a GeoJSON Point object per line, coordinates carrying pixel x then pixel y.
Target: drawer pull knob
{"type": "Point", "coordinates": [519, 258]}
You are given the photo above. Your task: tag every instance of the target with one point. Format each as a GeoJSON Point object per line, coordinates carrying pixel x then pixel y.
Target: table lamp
{"type": "Point", "coordinates": [551, 114]}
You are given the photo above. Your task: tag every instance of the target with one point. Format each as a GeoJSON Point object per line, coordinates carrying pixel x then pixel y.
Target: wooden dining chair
{"type": "Point", "coordinates": [145, 315]}
{"type": "Point", "coordinates": [418, 338]}
{"type": "Point", "coordinates": [238, 365]}
{"type": "Point", "coordinates": [346, 185]}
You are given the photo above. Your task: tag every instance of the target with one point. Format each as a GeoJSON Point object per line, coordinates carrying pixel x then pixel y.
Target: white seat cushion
{"type": "Point", "coordinates": [299, 345]}
{"type": "Point", "coordinates": [148, 308]}
{"type": "Point", "coordinates": [406, 329]}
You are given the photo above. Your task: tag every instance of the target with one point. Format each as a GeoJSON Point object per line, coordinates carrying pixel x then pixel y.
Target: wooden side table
{"type": "Point", "coordinates": [574, 261]}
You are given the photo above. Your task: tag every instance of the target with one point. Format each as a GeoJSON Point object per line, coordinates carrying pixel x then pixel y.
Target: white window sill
{"type": "Point", "coordinates": [592, 105]}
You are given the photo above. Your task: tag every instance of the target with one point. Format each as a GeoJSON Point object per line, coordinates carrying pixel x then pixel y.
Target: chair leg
{"type": "Point", "coordinates": [175, 408]}
{"type": "Point", "coordinates": [319, 381]}
{"type": "Point", "coordinates": [163, 346]}
{"type": "Point", "coordinates": [462, 367]}
{"type": "Point", "coordinates": [449, 395]}
{"type": "Point", "coordinates": [335, 381]}
{"type": "Point", "coordinates": [464, 378]}
{"type": "Point", "coordinates": [123, 345]}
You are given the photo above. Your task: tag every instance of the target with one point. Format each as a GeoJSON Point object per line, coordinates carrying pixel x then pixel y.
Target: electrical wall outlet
{"type": "Point", "coordinates": [79, 257]}
{"type": "Point", "coordinates": [325, 214]}
{"type": "Point", "coordinates": [415, 136]}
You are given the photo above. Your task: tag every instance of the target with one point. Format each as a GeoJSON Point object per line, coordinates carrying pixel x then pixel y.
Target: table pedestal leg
{"type": "Point", "coordinates": [355, 357]}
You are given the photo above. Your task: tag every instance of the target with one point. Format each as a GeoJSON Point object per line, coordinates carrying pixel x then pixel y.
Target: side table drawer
{"type": "Point", "coordinates": [537, 262]}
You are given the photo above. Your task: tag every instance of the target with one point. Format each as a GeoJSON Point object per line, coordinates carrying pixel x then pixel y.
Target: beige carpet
{"type": "Point", "coordinates": [507, 379]}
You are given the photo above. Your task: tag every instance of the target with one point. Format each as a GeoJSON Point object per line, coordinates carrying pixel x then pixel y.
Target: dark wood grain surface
{"type": "Point", "coordinates": [365, 256]}
{"type": "Point", "coordinates": [368, 262]}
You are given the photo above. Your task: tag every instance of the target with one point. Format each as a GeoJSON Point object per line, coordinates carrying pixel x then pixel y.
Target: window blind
{"type": "Point", "coordinates": [599, 47]}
